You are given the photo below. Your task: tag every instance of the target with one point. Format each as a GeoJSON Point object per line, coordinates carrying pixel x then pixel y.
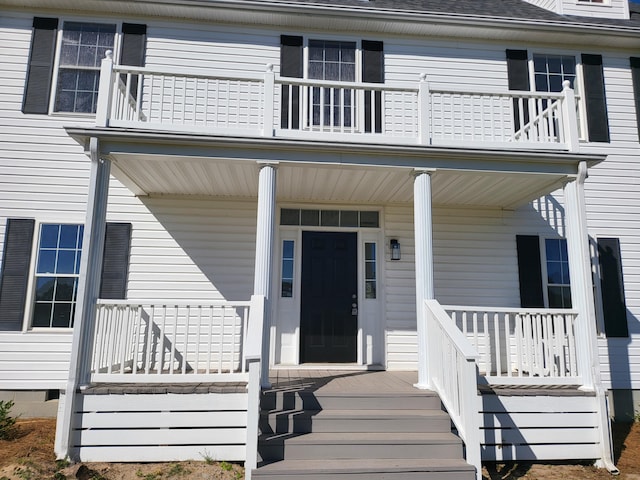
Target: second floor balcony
{"type": "Point", "coordinates": [267, 105]}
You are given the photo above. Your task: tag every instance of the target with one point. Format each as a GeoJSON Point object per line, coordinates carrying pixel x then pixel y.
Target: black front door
{"type": "Point", "coordinates": [329, 303]}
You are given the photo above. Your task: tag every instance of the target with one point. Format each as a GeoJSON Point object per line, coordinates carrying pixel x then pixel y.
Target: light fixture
{"type": "Point", "coordinates": [395, 249]}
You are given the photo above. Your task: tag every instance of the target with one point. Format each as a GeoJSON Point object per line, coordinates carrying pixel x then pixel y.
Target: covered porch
{"type": "Point", "coordinates": [142, 341]}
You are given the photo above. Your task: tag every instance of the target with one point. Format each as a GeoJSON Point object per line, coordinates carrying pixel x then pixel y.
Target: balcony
{"type": "Point", "coordinates": [266, 105]}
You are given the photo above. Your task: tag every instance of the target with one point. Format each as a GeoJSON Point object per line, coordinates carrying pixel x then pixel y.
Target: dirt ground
{"type": "Point", "coordinates": [30, 457]}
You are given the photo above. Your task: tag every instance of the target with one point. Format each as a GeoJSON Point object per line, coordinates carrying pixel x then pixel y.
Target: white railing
{"type": "Point", "coordinates": [453, 374]}
{"type": "Point", "coordinates": [153, 342]}
{"type": "Point", "coordinates": [519, 118]}
{"type": "Point", "coordinates": [521, 346]}
{"type": "Point", "coordinates": [267, 105]}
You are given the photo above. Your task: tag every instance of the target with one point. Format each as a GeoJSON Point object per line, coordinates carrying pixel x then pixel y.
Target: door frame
{"type": "Point", "coordinates": [285, 327]}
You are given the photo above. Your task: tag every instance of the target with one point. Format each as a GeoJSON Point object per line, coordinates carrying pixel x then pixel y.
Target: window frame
{"type": "Point", "coordinates": [33, 275]}
{"type": "Point", "coordinates": [117, 43]}
{"type": "Point", "coordinates": [544, 261]}
{"type": "Point", "coordinates": [578, 88]}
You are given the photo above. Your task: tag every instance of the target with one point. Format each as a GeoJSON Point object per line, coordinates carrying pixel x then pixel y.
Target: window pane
{"type": "Point", "coordinates": [566, 297]}
{"type": "Point", "coordinates": [287, 268]}
{"type": "Point", "coordinates": [46, 261]}
{"type": "Point", "coordinates": [348, 218]}
{"type": "Point", "coordinates": [42, 315]}
{"type": "Point", "coordinates": [66, 261]}
{"type": "Point", "coordinates": [287, 249]}
{"type": "Point", "coordinates": [370, 251]}
{"type": "Point", "coordinates": [369, 219]}
{"type": "Point", "coordinates": [330, 218]}
{"type": "Point", "coordinates": [289, 217]}
{"type": "Point", "coordinates": [65, 288]}
{"type": "Point", "coordinates": [370, 270]}
{"type": "Point", "coordinates": [44, 288]}
{"type": "Point", "coordinates": [555, 297]}
{"type": "Point", "coordinates": [553, 249]}
{"type": "Point", "coordinates": [68, 236]}
{"type": "Point", "coordinates": [554, 64]}
{"type": "Point", "coordinates": [316, 70]}
{"type": "Point", "coordinates": [310, 217]}
{"type": "Point", "coordinates": [370, 289]}
{"type": "Point", "coordinates": [554, 272]}
{"type": "Point", "coordinates": [49, 236]}
{"type": "Point", "coordinates": [287, 288]}
{"type": "Point", "coordinates": [61, 315]}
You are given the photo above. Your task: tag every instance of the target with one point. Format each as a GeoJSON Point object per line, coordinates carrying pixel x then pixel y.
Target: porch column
{"type": "Point", "coordinates": [581, 278]}
{"type": "Point", "coordinates": [88, 289]}
{"type": "Point", "coordinates": [265, 232]}
{"type": "Point", "coordinates": [423, 226]}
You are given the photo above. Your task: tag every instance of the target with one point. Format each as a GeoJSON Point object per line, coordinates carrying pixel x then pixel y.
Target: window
{"type": "Point", "coordinates": [288, 252]}
{"type": "Point", "coordinates": [550, 71]}
{"type": "Point", "coordinates": [65, 65]}
{"type": "Point", "coordinates": [335, 61]}
{"type": "Point", "coordinates": [543, 272]}
{"type": "Point", "coordinates": [82, 48]}
{"type": "Point", "coordinates": [370, 276]}
{"type": "Point", "coordinates": [331, 107]}
{"type": "Point", "coordinates": [56, 277]}
{"type": "Point", "coordinates": [330, 218]}
{"type": "Point", "coordinates": [557, 267]}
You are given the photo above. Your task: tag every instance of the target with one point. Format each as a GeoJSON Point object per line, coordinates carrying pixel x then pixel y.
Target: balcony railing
{"type": "Point", "coordinates": [271, 106]}
{"type": "Point", "coordinates": [152, 342]}
{"type": "Point", "coordinates": [521, 346]}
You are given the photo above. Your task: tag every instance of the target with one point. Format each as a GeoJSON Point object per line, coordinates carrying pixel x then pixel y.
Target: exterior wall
{"type": "Point", "coordinates": [609, 9]}
{"type": "Point", "coordinates": [202, 249]}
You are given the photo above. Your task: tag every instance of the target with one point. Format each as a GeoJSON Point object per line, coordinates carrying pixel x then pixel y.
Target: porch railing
{"type": "Point", "coordinates": [521, 346]}
{"type": "Point", "coordinates": [453, 374]}
{"type": "Point", "coordinates": [391, 113]}
{"type": "Point", "coordinates": [152, 342]}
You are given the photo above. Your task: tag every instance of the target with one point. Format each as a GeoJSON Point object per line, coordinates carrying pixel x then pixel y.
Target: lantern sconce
{"type": "Point", "coordinates": [395, 249]}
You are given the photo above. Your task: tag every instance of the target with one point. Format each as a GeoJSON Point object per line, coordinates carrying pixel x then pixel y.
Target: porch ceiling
{"type": "Point", "coordinates": [305, 182]}
{"type": "Point", "coordinates": [152, 163]}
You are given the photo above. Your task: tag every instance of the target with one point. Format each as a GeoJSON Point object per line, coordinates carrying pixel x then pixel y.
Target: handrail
{"type": "Point", "coordinates": [453, 373]}
{"type": "Point", "coordinates": [522, 345]}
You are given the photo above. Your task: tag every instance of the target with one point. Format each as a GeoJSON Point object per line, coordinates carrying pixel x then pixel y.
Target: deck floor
{"type": "Point", "coordinates": [343, 381]}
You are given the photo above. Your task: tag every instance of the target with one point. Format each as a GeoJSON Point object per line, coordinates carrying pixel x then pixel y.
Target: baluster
{"type": "Point", "coordinates": [162, 340]}
{"type": "Point", "coordinates": [138, 337]}
{"type": "Point", "coordinates": [487, 343]}
{"type": "Point", "coordinates": [198, 333]}
{"type": "Point", "coordinates": [352, 110]}
{"type": "Point", "coordinates": [496, 329]}
{"type": "Point", "coordinates": [185, 344]}
{"type": "Point", "coordinates": [571, 333]}
{"type": "Point", "coordinates": [174, 341]}
{"type": "Point", "coordinates": [124, 315]}
{"type": "Point", "coordinates": [518, 339]}
{"type": "Point", "coordinates": [508, 347]}
{"type": "Point", "coordinates": [221, 339]}
{"type": "Point", "coordinates": [210, 340]}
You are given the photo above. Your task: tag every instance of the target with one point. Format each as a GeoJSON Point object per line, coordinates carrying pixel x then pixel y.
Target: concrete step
{"type": "Point", "coordinates": [385, 420]}
{"type": "Point", "coordinates": [304, 400]}
{"type": "Point", "coordinates": [331, 446]}
{"type": "Point", "coordinates": [370, 469]}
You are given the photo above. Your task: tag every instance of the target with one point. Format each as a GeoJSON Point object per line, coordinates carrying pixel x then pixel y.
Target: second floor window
{"type": "Point", "coordinates": [63, 73]}
{"type": "Point", "coordinates": [551, 71]}
{"type": "Point", "coordinates": [82, 48]}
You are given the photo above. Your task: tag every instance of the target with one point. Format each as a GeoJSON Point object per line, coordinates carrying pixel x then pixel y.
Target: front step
{"type": "Point", "coordinates": [352, 432]}
{"type": "Point", "coordinates": [354, 421]}
{"type": "Point", "coordinates": [370, 469]}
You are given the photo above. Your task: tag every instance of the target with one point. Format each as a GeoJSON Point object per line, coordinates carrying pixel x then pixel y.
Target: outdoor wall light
{"type": "Point", "coordinates": [395, 249]}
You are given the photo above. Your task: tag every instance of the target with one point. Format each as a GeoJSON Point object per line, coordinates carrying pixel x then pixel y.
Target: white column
{"type": "Point", "coordinates": [581, 278]}
{"type": "Point", "coordinates": [423, 226]}
{"type": "Point", "coordinates": [88, 289]}
{"type": "Point", "coordinates": [264, 252]}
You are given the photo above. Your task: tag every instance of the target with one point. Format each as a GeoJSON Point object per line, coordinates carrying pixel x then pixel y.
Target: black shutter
{"type": "Point", "coordinates": [290, 66]}
{"type": "Point", "coordinates": [372, 72]}
{"type": "Point", "coordinates": [134, 40]}
{"type": "Point", "coordinates": [530, 271]}
{"type": "Point", "coordinates": [611, 282]}
{"type": "Point", "coordinates": [115, 261]}
{"type": "Point", "coordinates": [597, 120]}
{"type": "Point", "coordinates": [518, 78]}
{"type": "Point", "coordinates": [635, 75]}
{"type": "Point", "coordinates": [14, 277]}
{"type": "Point", "coordinates": [37, 92]}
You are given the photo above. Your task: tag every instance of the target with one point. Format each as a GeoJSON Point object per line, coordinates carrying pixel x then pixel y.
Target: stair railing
{"type": "Point", "coordinates": [453, 374]}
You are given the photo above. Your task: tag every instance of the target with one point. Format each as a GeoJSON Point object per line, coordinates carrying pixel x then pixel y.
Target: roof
{"type": "Point", "coordinates": [507, 9]}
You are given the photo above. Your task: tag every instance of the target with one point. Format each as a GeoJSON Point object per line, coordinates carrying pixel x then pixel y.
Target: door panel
{"type": "Point", "coordinates": [329, 321]}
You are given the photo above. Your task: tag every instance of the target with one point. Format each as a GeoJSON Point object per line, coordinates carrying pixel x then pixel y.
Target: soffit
{"type": "Point", "coordinates": [303, 182]}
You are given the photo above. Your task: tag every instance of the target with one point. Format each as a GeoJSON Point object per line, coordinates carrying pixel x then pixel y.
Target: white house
{"type": "Point", "coordinates": [195, 193]}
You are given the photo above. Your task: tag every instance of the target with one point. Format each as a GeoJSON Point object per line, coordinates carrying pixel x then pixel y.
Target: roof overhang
{"type": "Point", "coordinates": [158, 163]}
{"type": "Point", "coordinates": [350, 18]}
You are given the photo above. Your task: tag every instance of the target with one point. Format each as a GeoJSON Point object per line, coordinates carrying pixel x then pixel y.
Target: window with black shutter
{"type": "Point", "coordinates": [65, 77]}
